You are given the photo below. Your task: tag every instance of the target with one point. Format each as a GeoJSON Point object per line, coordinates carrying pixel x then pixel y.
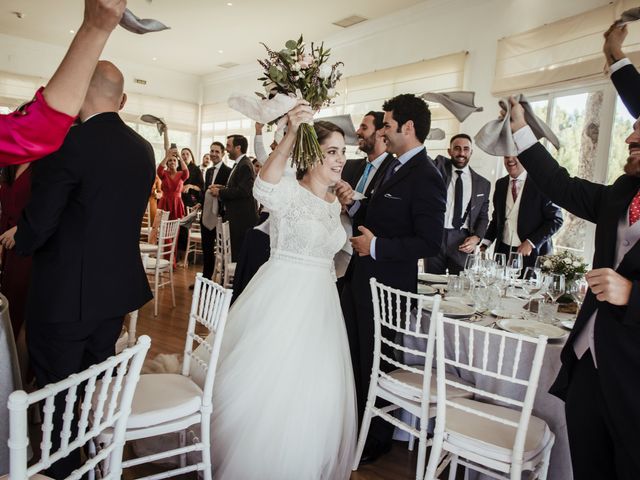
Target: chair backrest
{"type": "Point", "coordinates": [226, 244]}
{"type": "Point", "coordinates": [412, 349]}
{"type": "Point", "coordinates": [502, 357]}
{"type": "Point", "coordinates": [119, 376]}
{"type": "Point", "coordinates": [161, 215]}
{"type": "Point", "coordinates": [167, 239]}
{"type": "Point", "coordinates": [209, 309]}
{"type": "Point", "coordinates": [146, 218]}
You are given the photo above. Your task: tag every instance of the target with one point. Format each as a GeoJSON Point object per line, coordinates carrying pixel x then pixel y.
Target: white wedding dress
{"type": "Point", "coordinates": [284, 399]}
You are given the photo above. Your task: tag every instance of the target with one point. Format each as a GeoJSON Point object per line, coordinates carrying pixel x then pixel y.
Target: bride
{"type": "Point", "coordinates": [283, 400]}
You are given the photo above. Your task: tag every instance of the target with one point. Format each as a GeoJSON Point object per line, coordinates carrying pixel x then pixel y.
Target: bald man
{"type": "Point", "coordinates": [82, 227]}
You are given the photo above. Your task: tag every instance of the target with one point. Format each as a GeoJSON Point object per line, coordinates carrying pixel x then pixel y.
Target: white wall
{"type": "Point", "coordinates": [27, 57]}
{"type": "Point", "coordinates": [428, 30]}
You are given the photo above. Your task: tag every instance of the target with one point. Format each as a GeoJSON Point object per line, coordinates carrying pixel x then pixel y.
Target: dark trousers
{"type": "Point", "coordinates": [57, 350]}
{"type": "Point", "coordinates": [208, 251]}
{"type": "Point", "coordinates": [449, 256]}
{"type": "Point", "coordinates": [255, 253]}
{"type": "Point", "coordinates": [358, 314]}
{"type": "Point", "coordinates": [597, 448]}
{"type": "Point", "coordinates": [529, 261]}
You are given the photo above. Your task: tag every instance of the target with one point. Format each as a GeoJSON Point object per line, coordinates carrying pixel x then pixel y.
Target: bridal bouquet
{"type": "Point", "coordinates": [295, 72]}
{"type": "Point", "coordinates": [570, 265]}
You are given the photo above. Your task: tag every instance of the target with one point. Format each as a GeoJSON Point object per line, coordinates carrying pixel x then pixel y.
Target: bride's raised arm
{"type": "Point", "coordinates": [274, 167]}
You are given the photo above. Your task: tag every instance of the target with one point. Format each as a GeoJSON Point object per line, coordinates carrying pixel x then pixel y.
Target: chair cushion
{"type": "Point", "coordinates": [148, 247]}
{"type": "Point", "coordinates": [145, 230]}
{"type": "Point", "coordinates": [151, 263]}
{"type": "Point", "coordinates": [162, 397]}
{"type": "Point", "coordinates": [195, 236]}
{"type": "Point", "coordinates": [415, 380]}
{"type": "Point", "coordinates": [489, 438]}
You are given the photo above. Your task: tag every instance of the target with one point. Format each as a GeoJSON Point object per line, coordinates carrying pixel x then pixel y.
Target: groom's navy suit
{"type": "Point", "coordinates": [406, 214]}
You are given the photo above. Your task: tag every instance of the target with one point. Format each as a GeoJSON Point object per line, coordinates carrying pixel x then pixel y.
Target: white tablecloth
{"type": "Point", "coordinates": [9, 379]}
{"type": "Point", "coordinates": [546, 406]}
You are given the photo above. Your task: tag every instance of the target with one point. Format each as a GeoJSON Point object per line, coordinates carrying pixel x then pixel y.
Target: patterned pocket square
{"type": "Point", "coordinates": [391, 197]}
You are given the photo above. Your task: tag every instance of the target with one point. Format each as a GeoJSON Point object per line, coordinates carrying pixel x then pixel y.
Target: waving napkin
{"type": "Point", "coordinates": [140, 25]}
{"type": "Point", "coordinates": [262, 111]}
{"type": "Point", "coordinates": [436, 134]}
{"type": "Point", "coordinates": [159, 123]}
{"type": "Point", "coordinates": [461, 104]}
{"type": "Point", "coordinates": [495, 138]}
{"type": "Point", "coordinates": [630, 15]}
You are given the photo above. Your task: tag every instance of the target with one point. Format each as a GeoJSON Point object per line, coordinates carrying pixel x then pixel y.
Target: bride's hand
{"type": "Point", "coordinates": [298, 115]}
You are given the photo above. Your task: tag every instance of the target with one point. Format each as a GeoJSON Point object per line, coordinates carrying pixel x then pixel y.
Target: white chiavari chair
{"type": "Point", "coordinates": [501, 439]}
{"type": "Point", "coordinates": [145, 228]}
{"type": "Point", "coordinates": [228, 266]}
{"type": "Point", "coordinates": [112, 395]}
{"type": "Point", "coordinates": [166, 403]}
{"type": "Point", "coordinates": [151, 245]}
{"type": "Point", "coordinates": [194, 240]}
{"type": "Point", "coordinates": [162, 263]}
{"type": "Point", "coordinates": [395, 376]}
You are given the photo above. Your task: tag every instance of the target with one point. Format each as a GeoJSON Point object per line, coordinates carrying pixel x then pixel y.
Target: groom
{"type": "Point", "coordinates": [402, 222]}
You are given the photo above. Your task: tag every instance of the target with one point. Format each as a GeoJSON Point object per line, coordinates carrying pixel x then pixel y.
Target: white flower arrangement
{"type": "Point", "coordinates": [570, 265]}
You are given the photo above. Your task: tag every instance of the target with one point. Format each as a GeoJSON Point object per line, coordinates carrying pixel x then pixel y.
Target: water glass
{"type": "Point", "coordinates": [547, 312]}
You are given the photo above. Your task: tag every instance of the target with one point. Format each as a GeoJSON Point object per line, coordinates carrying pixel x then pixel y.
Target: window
{"type": "Point", "coordinates": [150, 133]}
{"type": "Point", "coordinates": [622, 127]}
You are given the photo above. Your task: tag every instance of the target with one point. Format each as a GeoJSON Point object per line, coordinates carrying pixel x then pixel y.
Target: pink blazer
{"type": "Point", "coordinates": [33, 132]}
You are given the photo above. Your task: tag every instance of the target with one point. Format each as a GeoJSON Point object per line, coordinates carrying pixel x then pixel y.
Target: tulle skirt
{"type": "Point", "coordinates": [284, 398]}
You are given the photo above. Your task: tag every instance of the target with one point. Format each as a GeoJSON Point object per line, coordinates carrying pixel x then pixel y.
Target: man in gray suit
{"type": "Point", "coordinates": [467, 214]}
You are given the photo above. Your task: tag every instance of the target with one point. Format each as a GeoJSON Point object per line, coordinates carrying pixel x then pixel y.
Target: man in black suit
{"type": "Point", "coordinates": [467, 215]}
{"type": "Point", "coordinates": [240, 208]}
{"type": "Point", "coordinates": [402, 221]}
{"type": "Point", "coordinates": [523, 219]}
{"type": "Point", "coordinates": [624, 75]}
{"type": "Point", "coordinates": [361, 175]}
{"type": "Point", "coordinates": [82, 227]}
{"type": "Point", "coordinates": [217, 174]}
{"type": "Point", "coordinates": [600, 362]}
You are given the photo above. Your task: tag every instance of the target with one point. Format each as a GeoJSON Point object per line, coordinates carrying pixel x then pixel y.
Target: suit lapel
{"type": "Point", "coordinates": [379, 174]}
{"type": "Point", "coordinates": [402, 172]}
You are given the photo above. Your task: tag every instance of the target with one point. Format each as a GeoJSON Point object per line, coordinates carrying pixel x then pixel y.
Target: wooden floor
{"type": "Point", "coordinates": [167, 332]}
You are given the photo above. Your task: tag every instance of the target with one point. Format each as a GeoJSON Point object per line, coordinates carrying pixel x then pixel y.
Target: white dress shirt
{"type": "Point", "coordinates": [451, 195]}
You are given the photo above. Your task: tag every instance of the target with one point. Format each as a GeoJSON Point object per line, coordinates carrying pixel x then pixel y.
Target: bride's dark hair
{"type": "Point", "coordinates": [323, 130]}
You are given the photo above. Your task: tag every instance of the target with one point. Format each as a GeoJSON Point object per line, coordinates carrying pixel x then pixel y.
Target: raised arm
{"type": "Point", "coordinates": [275, 165]}
{"type": "Point", "coordinates": [624, 75]}
{"type": "Point", "coordinates": [67, 88]}
{"type": "Point", "coordinates": [258, 145]}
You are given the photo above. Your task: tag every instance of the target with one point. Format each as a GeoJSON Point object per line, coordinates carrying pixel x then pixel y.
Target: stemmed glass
{"type": "Point", "coordinates": [514, 267]}
{"type": "Point", "coordinates": [556, 286]}
{"type": "Point", "coordinates": [500, 259]}
{"type": "Point", "coordinates": [578, 290]}
{"type": "Point", "coordinates": [531, 284]}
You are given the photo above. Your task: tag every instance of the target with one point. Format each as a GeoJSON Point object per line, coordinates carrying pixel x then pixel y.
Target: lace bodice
{"type": "Point", "coordinates": [300, 223]}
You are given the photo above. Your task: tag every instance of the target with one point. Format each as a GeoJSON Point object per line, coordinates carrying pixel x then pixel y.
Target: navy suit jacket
{"type": "Point", "coordinates": [617, 328]}
{"type": "Point", "coordinates": [82, 224]}
{"type": "Point", "coordinates": [406, 214]}
{"type": "Point", "coordinates": [627, 83]}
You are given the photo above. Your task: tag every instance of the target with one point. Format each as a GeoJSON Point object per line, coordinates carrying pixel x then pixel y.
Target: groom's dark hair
{"type": "Point", "coordinates": [407, 107]}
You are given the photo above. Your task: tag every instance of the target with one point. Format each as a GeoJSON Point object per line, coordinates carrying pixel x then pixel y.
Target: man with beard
{"type": "Point", "coordinates": [360, 175]}
{"type": "Point", "coordinates": [523, 219]}
{"type": "Point", "coordinates": [600, 361]}
{"type": "Point", "coordinates": [467, 214]}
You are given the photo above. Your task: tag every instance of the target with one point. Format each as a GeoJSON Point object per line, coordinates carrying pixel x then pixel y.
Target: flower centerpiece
{"type": "Point", "coordinates": [296, 72]}
{"type": "Point", "coordinates": [566, 263]}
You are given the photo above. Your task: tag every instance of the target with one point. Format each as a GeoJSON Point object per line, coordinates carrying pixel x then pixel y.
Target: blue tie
{"type": "Point", "coordinates": [363, 179]}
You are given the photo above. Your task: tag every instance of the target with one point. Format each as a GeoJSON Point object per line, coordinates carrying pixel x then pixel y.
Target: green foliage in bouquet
{"type": "Point", "coordinates": [308, 75]}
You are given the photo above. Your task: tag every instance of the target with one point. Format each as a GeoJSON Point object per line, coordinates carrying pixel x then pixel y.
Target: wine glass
{"type": "Point", "coordinates": [556, 286]}
{"type": "Point", "coordinates": [578, 290]}
{"type": "Point", "coordinates": [500, 259]}
{"type": "Point", "coordinates": [531, 284]}
{"type": "Point", "coordinates": [514, 267]}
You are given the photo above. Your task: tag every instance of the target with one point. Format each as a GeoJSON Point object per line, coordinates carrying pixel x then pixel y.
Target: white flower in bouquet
{"type": "Point", "coordinates": [565, 263]}
{"type": "Point", "coordinates": [568, 261]}
{"type": "Point", "coordinates": [307, 75]}
{"type": "Point", "coordinates": [576, 264]}
{"type": "Point", "coordinates": [324, 71]}
{"type": "Point", "coordinates": [547, 264]}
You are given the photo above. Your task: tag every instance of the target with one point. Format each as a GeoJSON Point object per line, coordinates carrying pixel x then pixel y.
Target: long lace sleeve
{"type": "Point", "coordinates": [276, 197]}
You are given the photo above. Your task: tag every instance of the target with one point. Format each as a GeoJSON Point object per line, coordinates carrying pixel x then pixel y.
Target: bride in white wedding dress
{"type": "Point", "coordinates": [284, 398]}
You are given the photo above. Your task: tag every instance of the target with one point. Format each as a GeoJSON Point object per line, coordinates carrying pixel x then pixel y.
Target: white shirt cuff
{"type": "Point", "coordinates": [372, 248]}
{"type": "Point", "coordinates": [531, 243]}
{"type": "Point", "coordinates": [623, 62]}
{"type": "Point", "coordinates": [524, 138]}
{"type": "Point", "coordinates": [485, 242]}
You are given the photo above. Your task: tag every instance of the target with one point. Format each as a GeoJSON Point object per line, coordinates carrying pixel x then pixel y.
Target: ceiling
{"type": "Point", "coordinates": [204, 33]}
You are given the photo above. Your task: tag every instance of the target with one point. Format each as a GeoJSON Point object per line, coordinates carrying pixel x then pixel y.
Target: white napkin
{"type": "Point", "coordinates": [262, 111]}
{"type": "Point", "coordinates": [140, 25]}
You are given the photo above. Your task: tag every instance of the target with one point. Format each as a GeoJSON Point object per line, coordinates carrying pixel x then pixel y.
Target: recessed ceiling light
{"type": "Point", "coordinates": [229, 4]}
{"type": "Point", "coordinates": [220, 51]}
{"type": "Point", "coordinates": [72, 31]}
{"type": "Point", "coordinates": [154, 58]}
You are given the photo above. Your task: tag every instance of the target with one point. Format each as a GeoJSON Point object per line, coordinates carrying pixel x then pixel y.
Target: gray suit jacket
{"type": "Point", "coordinates": [477, 211]}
